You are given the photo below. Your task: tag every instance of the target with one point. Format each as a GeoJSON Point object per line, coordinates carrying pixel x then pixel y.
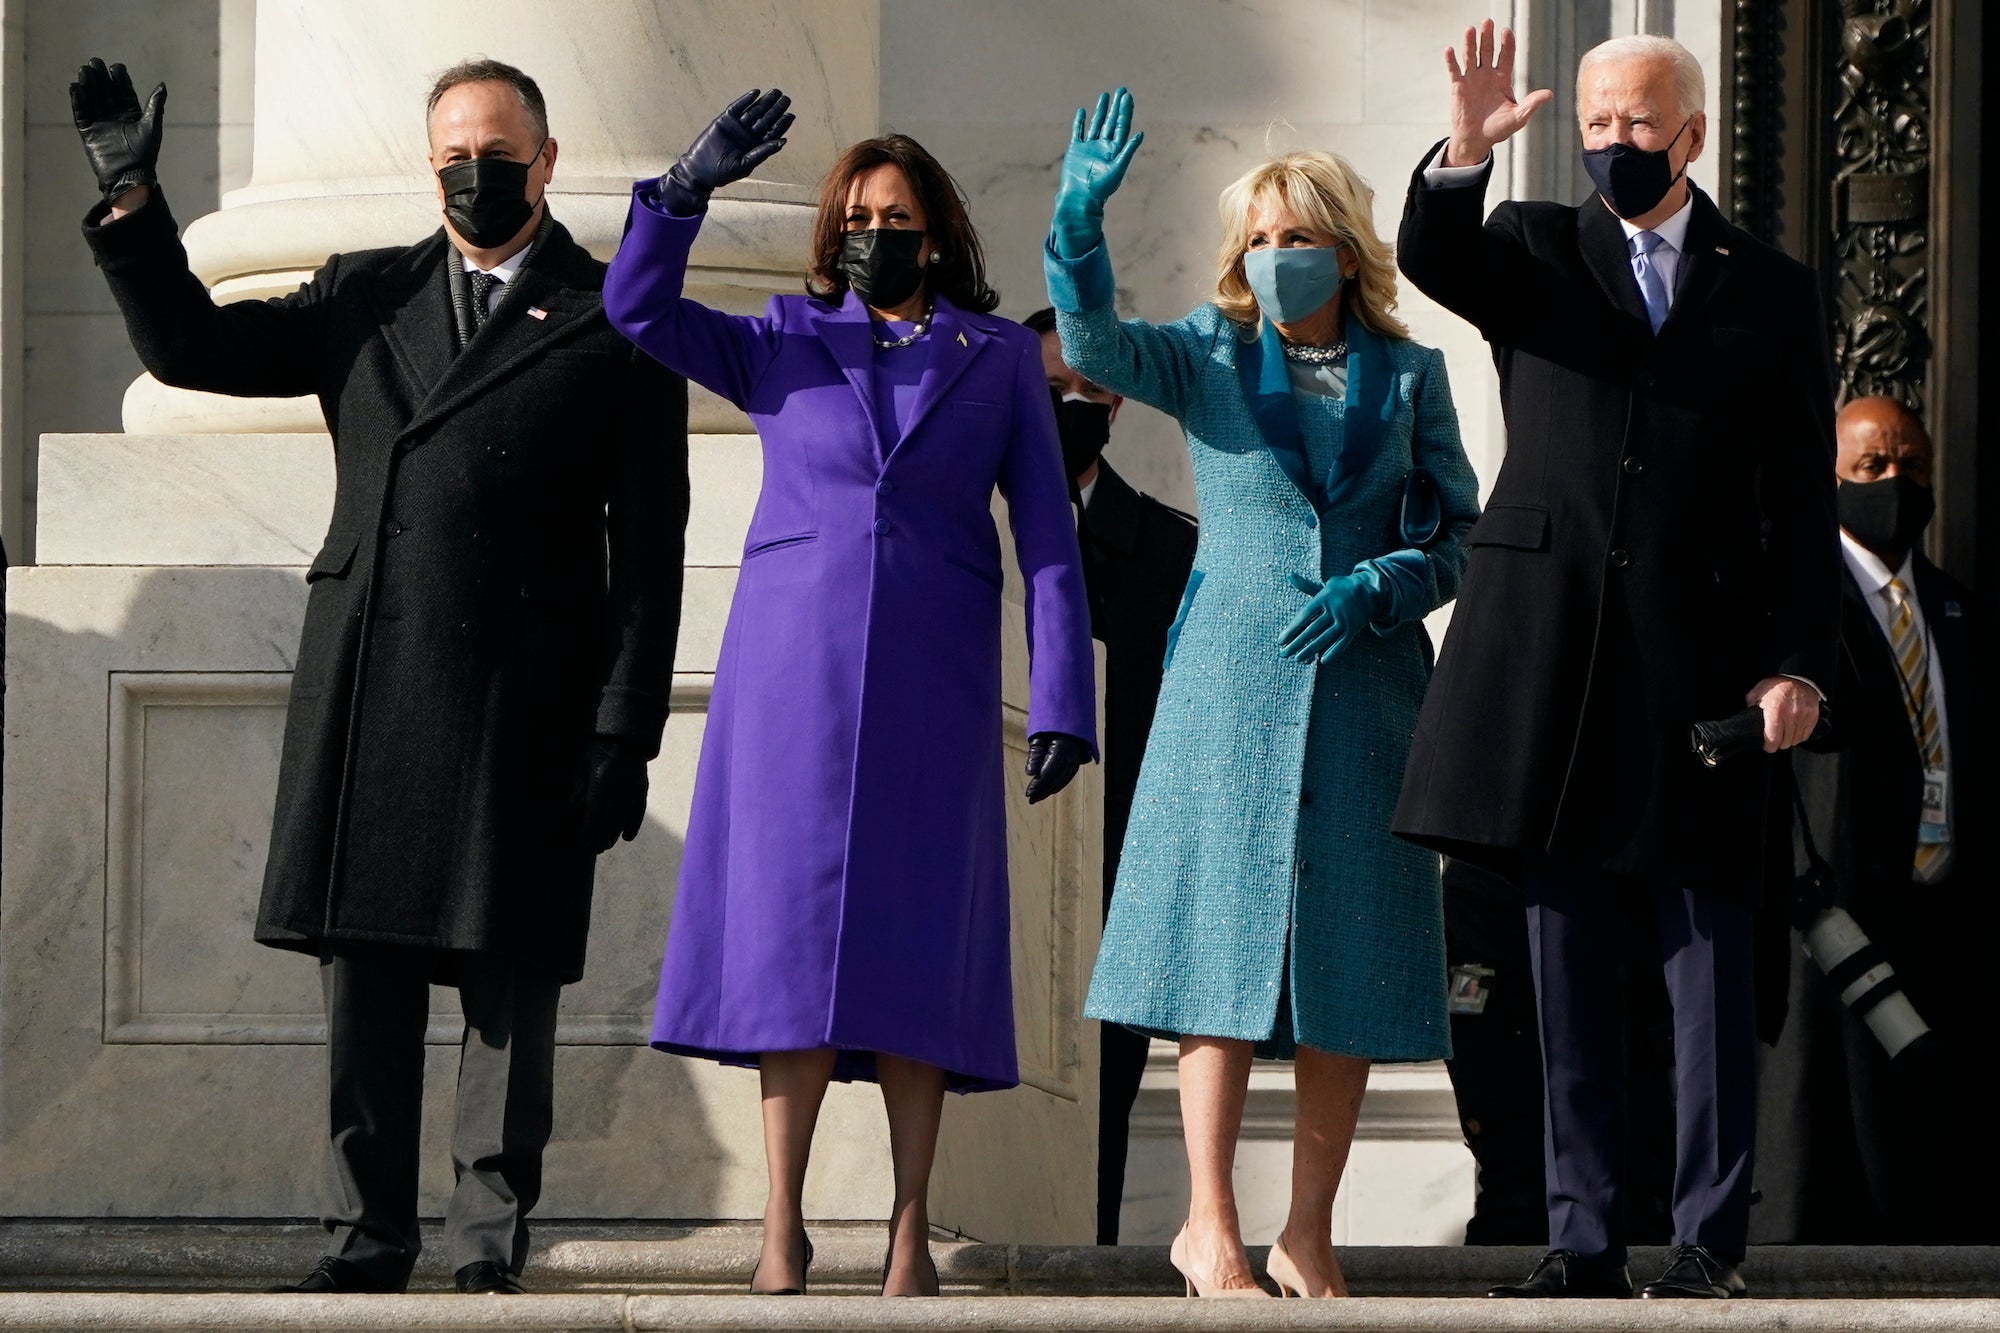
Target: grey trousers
{"type": "Point", "coordinates": [377, 1006]}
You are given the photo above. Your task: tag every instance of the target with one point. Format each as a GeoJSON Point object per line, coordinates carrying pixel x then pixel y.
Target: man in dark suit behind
{"type": "Point", "coordinates": [1659, 549]}
{"type": "Point", "coordinates": [476, 692]}
{"type": "Point", "coordinates": [1857, 1151]}
{"type": "Point", "coordinates": [1136, 556]}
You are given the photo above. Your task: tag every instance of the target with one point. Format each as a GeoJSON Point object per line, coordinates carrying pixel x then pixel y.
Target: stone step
{"type": "Point", "coordinates": [643, 1258]}
{"type": "Point", "coordinates": [69, 1312]}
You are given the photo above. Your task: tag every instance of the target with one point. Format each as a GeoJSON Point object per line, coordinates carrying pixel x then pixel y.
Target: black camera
{"type": "Point", "coordinates": [1857, 969]}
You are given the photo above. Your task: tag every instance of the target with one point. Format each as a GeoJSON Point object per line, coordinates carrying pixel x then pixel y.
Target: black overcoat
{"type": "Point", "coordinates": [463, 639]}
{"type": "Point", "coordinates": [1852, 1151]}
{"type": "Point", "coordinates": [1136, 556]}
{"type": "Point", "coordinates": [1660, 538]}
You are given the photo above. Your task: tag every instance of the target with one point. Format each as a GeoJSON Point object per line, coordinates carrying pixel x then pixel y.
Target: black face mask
{"type": "Point", "coordinates": [486, 199]}
{"type": "Point", "coordinates": [1084, 427]}
{"type": "Point", "coordinates": [1634, 180]}
{"type": "Point", "coordinates": [1888, 516]}
{"type": "Point", "coordinates": [881, 265]}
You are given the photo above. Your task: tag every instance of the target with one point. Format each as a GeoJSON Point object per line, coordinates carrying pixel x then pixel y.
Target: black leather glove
{"type": "Point", "coordinates": [752, 129]}
{"type": "Point", "coordinates": [121, 140]}
{"type": "Point", "coordinates": [611, 792]}
{"type": "Point", "coordinates": [1053, 758]}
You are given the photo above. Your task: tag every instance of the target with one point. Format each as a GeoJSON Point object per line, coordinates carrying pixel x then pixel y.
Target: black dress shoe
{"type": "Point", "coordinates": [1694, 1271]}
{"type": "Point", "coordinates": [486, 1278]}
{"type": "Point", "coordinates": [1565, 1273]}
{"type": "Point", "coordinates": [337, 1277]}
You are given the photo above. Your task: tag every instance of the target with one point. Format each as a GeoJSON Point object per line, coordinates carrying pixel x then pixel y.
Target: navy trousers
{"type": "Point", "coordinates": [1576, 940]}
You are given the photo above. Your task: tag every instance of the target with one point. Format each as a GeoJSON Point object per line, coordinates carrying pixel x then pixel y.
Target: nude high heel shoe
{"type": "Point", "coordinates": [1195, 1286]}
{"type": "Point", "coordinates": [1278, 1266]}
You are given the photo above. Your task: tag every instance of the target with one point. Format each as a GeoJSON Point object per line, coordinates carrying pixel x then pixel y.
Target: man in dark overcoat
{"type": "Point", "coordinates": [1136, 556]}
{"type": "Point", "coordinates": [1659, 549]}
{"type": "Point", "coordinates": [488, 645]}
{"type": "Point", "coordinates": [1857, 1150]}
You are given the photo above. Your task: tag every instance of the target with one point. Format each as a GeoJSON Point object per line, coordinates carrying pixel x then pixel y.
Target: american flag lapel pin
{"type": "Point", "coordinates": [537, 312]}
{"type": "Point", "coordinates": [1722, 249]}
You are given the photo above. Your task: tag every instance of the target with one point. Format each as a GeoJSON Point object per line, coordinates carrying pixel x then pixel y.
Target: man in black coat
{"type": "Point", "coordinates": [1136, 556]}
{"type": "Point", "coordinates": [1857, 1150]}
{"type": "Point", "coordinates": [1659, 549]}
{"type": "Point", "coordinates": [477, 691]}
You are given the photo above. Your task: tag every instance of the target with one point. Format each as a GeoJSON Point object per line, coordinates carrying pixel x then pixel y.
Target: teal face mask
{"type": "Point", "coordinates": [1291, 283]}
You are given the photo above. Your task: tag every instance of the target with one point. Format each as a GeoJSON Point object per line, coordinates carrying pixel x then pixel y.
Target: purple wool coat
{"type": "Point", "coordinates": [844, 879]}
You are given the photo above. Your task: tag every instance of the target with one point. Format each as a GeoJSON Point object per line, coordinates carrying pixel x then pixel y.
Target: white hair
{"type": "Point", "coordinates": [1688, 83]}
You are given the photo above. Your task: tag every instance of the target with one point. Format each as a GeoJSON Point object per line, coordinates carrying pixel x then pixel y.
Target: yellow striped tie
{"type": "Point", "coordinates": [1913, 662]}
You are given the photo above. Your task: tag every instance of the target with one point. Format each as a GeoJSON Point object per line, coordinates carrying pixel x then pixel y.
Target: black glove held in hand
{"type": "Point", "coordinates": [121, 140]}
{"type": "Point", "coordinates": [1053, 758]}
{"type": "Point", "coordinates": [732, 146]}
{"type": "Point", "coordinates": [611, 792]}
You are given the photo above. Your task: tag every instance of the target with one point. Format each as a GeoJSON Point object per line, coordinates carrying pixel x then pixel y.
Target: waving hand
{"type": "Point", "coordinates": [1100, 149]}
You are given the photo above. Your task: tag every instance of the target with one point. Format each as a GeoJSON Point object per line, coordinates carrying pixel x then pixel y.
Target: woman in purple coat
{"type": "Point", "coordinates": [842, 911]}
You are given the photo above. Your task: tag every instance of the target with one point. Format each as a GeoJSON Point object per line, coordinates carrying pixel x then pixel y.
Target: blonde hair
{"type": "Point", "coordinates": [1689, 88]}
{"type": "Point", "coordinates": [1326, 194]}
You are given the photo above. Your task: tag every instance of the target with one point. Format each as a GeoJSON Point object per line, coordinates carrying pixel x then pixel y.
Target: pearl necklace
{"type": "Point", "coordinates": [1316, 356]}
{"type": "Point", "coordinates": [917, 331]}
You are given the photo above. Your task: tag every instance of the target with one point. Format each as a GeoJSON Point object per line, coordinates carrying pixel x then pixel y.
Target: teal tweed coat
{"type": "Point", "coordinates": [1260, 894]}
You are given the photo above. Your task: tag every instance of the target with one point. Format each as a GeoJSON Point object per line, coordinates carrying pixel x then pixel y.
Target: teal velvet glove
{"type": "Point", "coordinates": [1100, 149]}
{"type": "Point", "coordinates": [1381, 594]}
{"type": "Point", "coordinates": [1340, 609]}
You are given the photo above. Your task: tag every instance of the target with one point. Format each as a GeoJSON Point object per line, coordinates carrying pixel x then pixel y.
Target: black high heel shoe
{"type": "Point", "coordinates": [804, 1269]}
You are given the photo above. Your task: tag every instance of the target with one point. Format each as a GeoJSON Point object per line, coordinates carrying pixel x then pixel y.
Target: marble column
{"type": "Point", "coordinates": [339, 147]}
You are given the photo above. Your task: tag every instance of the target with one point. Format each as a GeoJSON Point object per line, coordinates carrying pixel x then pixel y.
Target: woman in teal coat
{"type": "Point", "coordinates": [1262, 905]}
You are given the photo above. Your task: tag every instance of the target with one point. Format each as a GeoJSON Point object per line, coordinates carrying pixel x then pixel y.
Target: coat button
{"type": "Point", "coordinates": [882, 527]}
{"type": "Point", "coordinates": [1305, 798]}
{"type": "Point", "coordinates": [469, 629]}
{"type": "Point", "coordinates": [1634, 466]}
{"type": "Point", "coordinates": [1645, 379]}
{"type": "Point", "coordinates": [884, 487]}
{"type": "Point", "coordinates": [1620, 558]}
{"type": "Point", "coordinates": [392, 529]}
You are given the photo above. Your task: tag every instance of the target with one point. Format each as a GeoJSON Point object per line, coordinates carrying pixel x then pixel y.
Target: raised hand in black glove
{"type": "Point", "coordinates": [611, 792]}
{"type": "Point", "coordinates": [121, 139]}
{"type": "Point", "coordinates": [752, 129]}
{"type": "Point", "coordinates": [1053, 758]}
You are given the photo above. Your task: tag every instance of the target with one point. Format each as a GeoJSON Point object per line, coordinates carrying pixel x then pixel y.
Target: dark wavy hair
{"type": "Point", "coordinates": [960, 271]}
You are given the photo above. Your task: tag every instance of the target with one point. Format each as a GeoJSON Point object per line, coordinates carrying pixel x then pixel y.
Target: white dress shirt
{"type": "Point", "coordinates": [1873, 575]}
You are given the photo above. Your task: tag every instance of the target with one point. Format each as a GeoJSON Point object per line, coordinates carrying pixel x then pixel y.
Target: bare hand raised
{"type": "Point", "coordinates": [1483, 109]}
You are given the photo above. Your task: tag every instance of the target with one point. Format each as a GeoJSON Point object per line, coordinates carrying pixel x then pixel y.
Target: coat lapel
{"type": "Point", "coordinates": [844, 330]}
{"type": "Point", "coordinates": [412, 304]}
{"type": "Point", "coordinates": [1267, 390]}
{"type": "Point", "coordinates": [556, 284]}
{"type": "Point", "coordinates": [954, 343]}
{"type": "Point", "coordinates": [1368, 410]}
{"type": "Point", "coordinates": [1609, 258]}
{"type": "Point", "coordinates": [1704, 264]}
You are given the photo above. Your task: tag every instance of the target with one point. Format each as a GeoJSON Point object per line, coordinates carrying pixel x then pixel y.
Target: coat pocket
{"type": "Point", "coordinates": [1180, 618]}
{"type": "Point", "coordinates": [1518, 527]}
{"type": "Point", "coordinates": [335, 558]}
{"type": "Point", "coordinates": [991, 577]}
{"type": "Point", "coordinates": [778, 544]}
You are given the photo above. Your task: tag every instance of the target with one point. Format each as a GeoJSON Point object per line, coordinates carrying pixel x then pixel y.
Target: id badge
{"type": "Point", "coordinates": [1469, 991]}
{"type": "Point", "coordinates": [1934, 821]}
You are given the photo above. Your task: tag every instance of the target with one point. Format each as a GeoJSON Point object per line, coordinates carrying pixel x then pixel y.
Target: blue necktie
{"type": "Point", "coordinates": [1652, 287]}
